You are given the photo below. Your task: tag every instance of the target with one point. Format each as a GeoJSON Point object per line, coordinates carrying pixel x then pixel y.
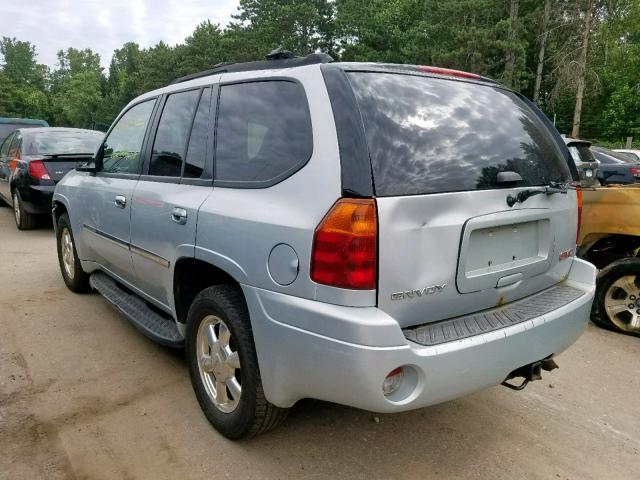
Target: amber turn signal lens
{"type": "Point", "coordinates": [345, 246]}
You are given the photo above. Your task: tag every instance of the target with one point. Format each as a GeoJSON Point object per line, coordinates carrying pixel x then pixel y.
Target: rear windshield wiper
{"type": "Point", "coordinates": [553, 187]}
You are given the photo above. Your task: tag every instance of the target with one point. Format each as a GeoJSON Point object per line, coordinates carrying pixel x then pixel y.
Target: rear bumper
{"type": "Point", "coordinates": [37, 199]}
{"type": "Point", "coordinates": [307, 349]}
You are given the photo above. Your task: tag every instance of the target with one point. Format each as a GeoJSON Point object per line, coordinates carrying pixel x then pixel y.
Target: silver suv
{"type": "Point", "coordinates": [381, 236]}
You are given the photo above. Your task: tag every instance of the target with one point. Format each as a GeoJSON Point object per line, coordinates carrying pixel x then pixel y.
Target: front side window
{"type": "Point", "coordinates": [123, 145]}
{"type": "Point", "coordinates": [170, 145]}
{"type": "Point", "coordinates": [264, 132]}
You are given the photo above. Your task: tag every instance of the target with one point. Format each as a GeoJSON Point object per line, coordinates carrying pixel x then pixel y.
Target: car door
{"type": "Point", "coordinates": [104, 198]}
{"type": "Point", "coordinates": [5, 172]}
{"type": "Point", "coordinates": [176, 181]}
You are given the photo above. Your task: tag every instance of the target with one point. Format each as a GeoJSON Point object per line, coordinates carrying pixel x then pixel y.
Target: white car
{"type": "Point", "coordinates": [633, 153]}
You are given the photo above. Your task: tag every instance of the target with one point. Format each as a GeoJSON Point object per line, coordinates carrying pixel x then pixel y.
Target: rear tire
{"type": "Point", "coordinates": [24, 220]}
{"type": "Point", "coordinates": [222, 358]}
{"type": "Point", "coordinates": [72, 273]}
{"type": "Point", "coordinates": [618, 288]}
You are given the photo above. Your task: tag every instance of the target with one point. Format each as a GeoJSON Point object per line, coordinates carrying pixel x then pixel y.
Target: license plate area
{"type": "Point", "coordinates": [502, 244]}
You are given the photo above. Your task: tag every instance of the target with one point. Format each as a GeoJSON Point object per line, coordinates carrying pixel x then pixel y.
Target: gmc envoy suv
{"type": "Point", "coordinates": [381, 236]}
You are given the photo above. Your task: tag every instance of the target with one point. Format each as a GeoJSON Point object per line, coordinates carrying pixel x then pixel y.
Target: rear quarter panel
{"type": "Point", "coordinates": [239, 227]}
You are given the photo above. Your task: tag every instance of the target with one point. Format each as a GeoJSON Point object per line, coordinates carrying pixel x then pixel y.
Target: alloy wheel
{"type": "Point", "coordinates": [622, 303]}
{"type": "Point", "coordinates": [219, 363]}
{"type": "Point", "coordinates": [16, 208]}
{"type": "Point", "coordinates": [68, 260]}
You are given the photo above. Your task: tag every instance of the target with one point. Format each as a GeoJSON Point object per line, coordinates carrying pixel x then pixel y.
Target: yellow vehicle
{"type": "Point", "coordinates": [610, 239]}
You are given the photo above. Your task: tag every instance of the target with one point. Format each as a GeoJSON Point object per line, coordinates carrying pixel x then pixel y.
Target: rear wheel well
{"type": "Point", "coordinates": [59, 209]}
{"type": "Point", "coordinates": [611, 248]}
{"type": "Point", "coordinates": [190, 277]}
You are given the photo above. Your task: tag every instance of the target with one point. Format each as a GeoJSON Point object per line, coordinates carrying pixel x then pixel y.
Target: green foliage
{"type": "Point", "coordinates": [472, 35]}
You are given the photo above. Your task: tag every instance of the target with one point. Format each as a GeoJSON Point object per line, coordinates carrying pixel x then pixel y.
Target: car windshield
{"type": "Point", "coordinates": [63, 143]}
{"type": "Point", "coordinates": [432, 135]}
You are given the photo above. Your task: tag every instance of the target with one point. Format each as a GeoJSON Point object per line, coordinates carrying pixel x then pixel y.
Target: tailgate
{"type": "Point", "coordinates": [442, 256]}
{"type": "Point", "coordinates": [445, 155]}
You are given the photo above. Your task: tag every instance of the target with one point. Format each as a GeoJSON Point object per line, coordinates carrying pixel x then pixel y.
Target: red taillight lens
{"type": "Point", "coordinates": [447, 71]}
{"type": "Point", "coordinates": [345, 246]}
{"type": "Point", "coordinates": [579, 194]}
{"type": "Point", "coordinates": [38, 171]}
{"type": "Point", "coordinates": [635, 171]}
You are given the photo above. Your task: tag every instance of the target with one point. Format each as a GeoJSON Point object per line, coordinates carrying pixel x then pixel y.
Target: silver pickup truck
{"type": "Point", "coordinates": [381, 236]}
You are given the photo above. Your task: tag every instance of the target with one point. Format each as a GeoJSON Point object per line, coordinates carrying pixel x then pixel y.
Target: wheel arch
{"type": "Point", "coordinates": [601, 249]}
{"type": "Point", "coordinates": [190, 277]}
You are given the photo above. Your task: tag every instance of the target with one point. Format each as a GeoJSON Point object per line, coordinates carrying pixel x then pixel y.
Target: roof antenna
{"type": "Point", "coordinates": [280, 54]}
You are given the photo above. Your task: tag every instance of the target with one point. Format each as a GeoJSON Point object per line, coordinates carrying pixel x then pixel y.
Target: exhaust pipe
{"type": "Point", "coordinates": [529, 373]}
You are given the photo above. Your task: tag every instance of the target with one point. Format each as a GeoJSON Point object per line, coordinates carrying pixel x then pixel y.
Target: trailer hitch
{"type": "Point", "coordinates": [529, 373]}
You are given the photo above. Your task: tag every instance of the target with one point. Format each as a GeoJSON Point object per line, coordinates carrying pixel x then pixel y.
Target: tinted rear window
{"type": "Point", "coordinates": [430, 135]}
{"type": "Point", "coordinates": [62, 143]}
{"type": "Point", "coordinates": [581, 152]}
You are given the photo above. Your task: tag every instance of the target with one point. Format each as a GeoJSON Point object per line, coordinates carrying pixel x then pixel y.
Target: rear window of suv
{"type": "Point", "coordinates": [431, 135]}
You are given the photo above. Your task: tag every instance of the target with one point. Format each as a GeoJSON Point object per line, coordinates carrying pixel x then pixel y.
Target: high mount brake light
{"type": "Point", "coordinates": [448, 71]}
{"type": "Point", "coordinates": [38, 171]}
{"type": "Point", "coordinates": [345, 246]}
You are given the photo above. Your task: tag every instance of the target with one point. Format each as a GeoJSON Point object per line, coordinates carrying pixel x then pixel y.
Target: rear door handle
{"type": "Point", "coordinates": [179, 215]}
{"type": "Point", "coordinates": [120, 201]}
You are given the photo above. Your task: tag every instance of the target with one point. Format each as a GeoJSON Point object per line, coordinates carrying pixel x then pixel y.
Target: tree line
{"type": "Point", "coordinates": [578, 59]}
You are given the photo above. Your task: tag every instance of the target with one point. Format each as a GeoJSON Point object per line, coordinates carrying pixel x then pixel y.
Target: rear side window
{"type": "Point", "coordinates": [430, 135]}
{"type": "Point", "coordinates": [263, 133]}
{"type": "Point", "coordinates": [4, 151]}
{"type": "Point", "coordinates": [16, 145]}
{"type": "Point", "coordinates": [170, 145]}
{"type": "Point", "coordinates": [197, 149]}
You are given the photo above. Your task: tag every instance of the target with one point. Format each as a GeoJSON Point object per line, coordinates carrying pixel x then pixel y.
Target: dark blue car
{"type": "Point", "coordinates": [615, 167]}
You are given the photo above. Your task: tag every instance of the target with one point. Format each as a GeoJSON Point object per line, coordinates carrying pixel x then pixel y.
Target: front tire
{"type": "Point", "coordinates": [72, 273]}
{"type": "Point", "coordinates": [617, 303]}
{"type": "Point", "coordinates": [24, 220]}
{"type": "Point", "coordinates": [224, 366]}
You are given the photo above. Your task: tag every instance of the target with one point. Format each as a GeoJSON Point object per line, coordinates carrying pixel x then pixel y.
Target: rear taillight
{"type": "Point", "coordinates": [345, 246]}
{"type": "Point", "coordinates": [38, 171]}
{"type": "Point", "coordinates": [635, 171]}
{"type": "Point", "coordinates": [579, 195]}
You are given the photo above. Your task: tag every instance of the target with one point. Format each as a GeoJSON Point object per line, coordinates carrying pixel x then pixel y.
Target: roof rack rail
{"type": "Point", "coordinates": [276, 59]}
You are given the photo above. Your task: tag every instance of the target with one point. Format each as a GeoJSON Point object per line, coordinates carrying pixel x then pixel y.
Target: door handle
{"type": "Point", "coordinates": [120, 201]}
{"type": "Point", "coordinates": [179, 215]}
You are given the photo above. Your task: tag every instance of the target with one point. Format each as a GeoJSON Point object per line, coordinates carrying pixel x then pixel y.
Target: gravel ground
{"type": "Point", "coordinates": [83, 395]}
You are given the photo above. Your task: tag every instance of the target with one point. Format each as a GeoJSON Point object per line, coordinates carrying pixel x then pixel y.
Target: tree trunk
{"type": "Point", "coordinates": [510, 62]}
{"type": "Point", "coordinates": [543, 44]}
{"type": "Point", "coordinates": [582, 71]}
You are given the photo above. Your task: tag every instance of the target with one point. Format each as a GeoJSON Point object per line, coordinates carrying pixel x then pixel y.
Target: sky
{"type": "Point", "coordinates": [104, 25]}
